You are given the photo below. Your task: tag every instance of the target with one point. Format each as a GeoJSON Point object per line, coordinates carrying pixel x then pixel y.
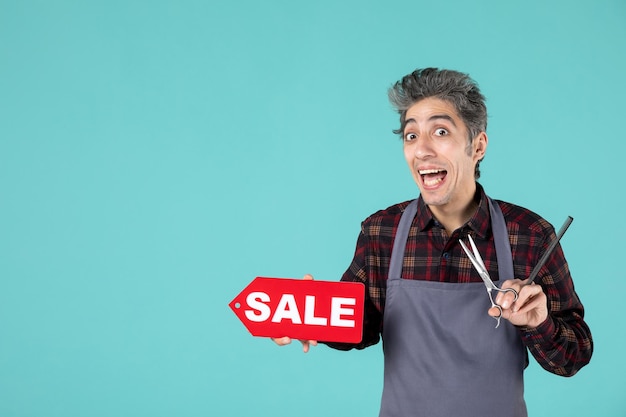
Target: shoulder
{"type": "Point", "coordinates": [524, 219]}
{"type": "Point", "coordinates": [384, 222]}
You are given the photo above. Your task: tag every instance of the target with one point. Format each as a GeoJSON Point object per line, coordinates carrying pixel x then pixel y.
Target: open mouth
{"type": "Point", "coordinates": [432, 177]}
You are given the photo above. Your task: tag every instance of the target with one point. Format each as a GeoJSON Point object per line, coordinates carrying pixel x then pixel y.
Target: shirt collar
{"type": "Point", "coordinates": [480, 222]}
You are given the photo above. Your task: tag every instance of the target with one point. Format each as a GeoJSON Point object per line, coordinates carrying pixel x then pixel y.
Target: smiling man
{"type": "Point", "coordinates": [443, 354]}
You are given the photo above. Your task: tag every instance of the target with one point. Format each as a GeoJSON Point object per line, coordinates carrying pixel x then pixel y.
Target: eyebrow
{"type": "Point", "coordinates": [432, 118]}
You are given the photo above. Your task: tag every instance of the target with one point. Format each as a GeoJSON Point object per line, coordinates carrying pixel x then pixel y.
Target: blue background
{"type": "Point", "coordinates": [156, 156]}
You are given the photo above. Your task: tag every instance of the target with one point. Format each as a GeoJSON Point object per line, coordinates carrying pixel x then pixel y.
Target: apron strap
{"type": "Point", "coordinates": [501, 240]}
{"type": "Point", "coordinates": [399, 242]}
{"type": "Point", "coordinates": [498, 227]}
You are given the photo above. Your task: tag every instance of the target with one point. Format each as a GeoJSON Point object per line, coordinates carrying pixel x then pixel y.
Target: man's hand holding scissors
{"type": "Point", "coordinates": [521, 302]}
{"type": "Point", "coordinates": [529, 310]}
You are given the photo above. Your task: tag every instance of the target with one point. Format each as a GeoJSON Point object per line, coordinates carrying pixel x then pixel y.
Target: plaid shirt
{"type": "Point", "coordinates": [562, 344]}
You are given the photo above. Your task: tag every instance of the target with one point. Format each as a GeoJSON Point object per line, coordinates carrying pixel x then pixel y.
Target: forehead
{"type": "Point", "coordinates": [432, 108]}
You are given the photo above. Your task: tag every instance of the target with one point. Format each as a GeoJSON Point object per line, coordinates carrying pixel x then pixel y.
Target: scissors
{"type": "Point", "coordinates": [477, 261]}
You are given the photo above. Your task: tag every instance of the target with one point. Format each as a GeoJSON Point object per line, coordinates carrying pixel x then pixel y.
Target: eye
{"type": "Point", "coordinates": [408, 137]}
{"type": "Point", "coordinates": [441, 132]}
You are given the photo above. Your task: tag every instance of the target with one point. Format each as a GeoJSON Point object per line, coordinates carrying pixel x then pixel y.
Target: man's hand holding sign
{"type": "Point", "coordinates": [286, 340]}
{"type": "Point", "coordinates": [286, 309]}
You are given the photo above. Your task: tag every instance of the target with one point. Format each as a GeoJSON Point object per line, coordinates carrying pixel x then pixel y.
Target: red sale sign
{"type": "Point", "coordinates": [302, 309]}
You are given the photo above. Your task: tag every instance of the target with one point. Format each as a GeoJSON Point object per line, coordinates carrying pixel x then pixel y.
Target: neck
{"type": "Point", "coordinates": [454, 216]}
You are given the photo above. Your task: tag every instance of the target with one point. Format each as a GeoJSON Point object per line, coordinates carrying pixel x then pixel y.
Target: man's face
{"type": "Point", "coordinates": [440, 157]}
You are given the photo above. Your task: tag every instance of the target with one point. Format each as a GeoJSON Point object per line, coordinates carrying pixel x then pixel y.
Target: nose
{"type": "Point", "coordinates": [423, 148]}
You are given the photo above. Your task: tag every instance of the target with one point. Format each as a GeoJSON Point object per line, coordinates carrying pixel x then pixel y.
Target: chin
{"type": "Point", "coordinates": [434, 199]}
{"type": "Point", "coordinates": [435, 202]}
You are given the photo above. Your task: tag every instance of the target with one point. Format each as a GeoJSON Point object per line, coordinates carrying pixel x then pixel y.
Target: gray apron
{"type": "Point", "coordinates": [443, 355]}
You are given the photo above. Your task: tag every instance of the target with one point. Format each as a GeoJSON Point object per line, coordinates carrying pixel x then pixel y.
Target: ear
{"type": "Point", "coordinates": [479, 144]}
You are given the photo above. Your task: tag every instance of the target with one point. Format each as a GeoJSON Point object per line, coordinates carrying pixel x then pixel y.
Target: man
{"type": "Point", "coordinates": [443, 354]}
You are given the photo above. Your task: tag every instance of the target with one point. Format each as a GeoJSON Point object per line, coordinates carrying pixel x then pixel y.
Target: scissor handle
{"type": "Point", "coordinates": [494, 305]}
{"type": "Point", "coordinates": [499, 316]}
{"type": "Point", "coordinates": [515, 293]}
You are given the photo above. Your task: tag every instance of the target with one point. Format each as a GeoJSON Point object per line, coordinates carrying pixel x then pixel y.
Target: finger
{"type": "Point", "coordinates": [534, 303]}
{"type": "Point", "coordinates": [505, 299]}
{"type": "Point", "coordinates": [281, 341]}
{"type": "Point", "coordinates": [306, 344]}
{"type": "Point", "coordinates": [525, 295]}
{"type": "Point", "coordinates": [308, 277]}
{"type": "Point", "coordinates": [494, 312]}
{"type": "Point", "coordinates": [531, 309]}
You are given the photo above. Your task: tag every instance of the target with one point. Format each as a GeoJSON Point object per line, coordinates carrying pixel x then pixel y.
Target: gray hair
{"type": "Point", "coordinates": [454, 87]}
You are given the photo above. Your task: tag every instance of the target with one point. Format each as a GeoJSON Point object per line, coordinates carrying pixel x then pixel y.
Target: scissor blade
{"type": "Point", "coordinates": [479, 258]}
{"type": "Point", "coordinates": [482, 271]}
